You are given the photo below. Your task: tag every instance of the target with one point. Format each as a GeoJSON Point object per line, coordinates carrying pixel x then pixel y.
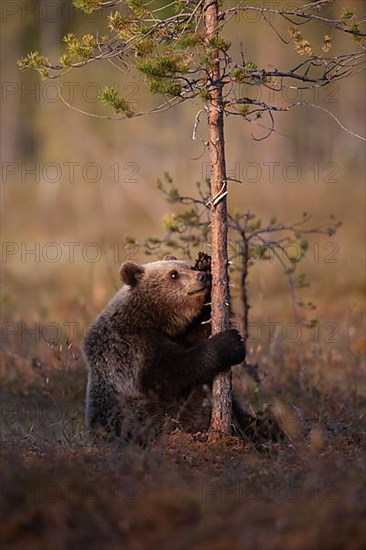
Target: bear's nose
{"type": "Point", "coordinates": [202, 277]}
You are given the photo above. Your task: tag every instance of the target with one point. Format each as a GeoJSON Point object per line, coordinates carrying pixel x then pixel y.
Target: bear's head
{"type": "Point", "coordinates": [167, 294]}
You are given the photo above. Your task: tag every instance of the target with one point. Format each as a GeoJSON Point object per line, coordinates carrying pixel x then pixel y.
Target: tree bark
{"type": "Point", "coordinates": [221, 389]}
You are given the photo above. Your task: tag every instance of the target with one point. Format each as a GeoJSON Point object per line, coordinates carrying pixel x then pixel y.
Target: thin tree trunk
{"type": "Point", "coordinates": [244, 291]}
{"type": "Point", "coordinates": [221, 389]}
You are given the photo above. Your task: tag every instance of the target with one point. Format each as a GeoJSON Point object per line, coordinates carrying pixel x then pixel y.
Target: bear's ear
{"type": "Point", "coordinates": [131, 273]}
{"type": "Point", "coordinates": [169, 257]}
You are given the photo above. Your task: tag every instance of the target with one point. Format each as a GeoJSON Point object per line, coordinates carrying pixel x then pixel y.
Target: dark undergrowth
{"type": "Point", "coordinates": [301, 491]}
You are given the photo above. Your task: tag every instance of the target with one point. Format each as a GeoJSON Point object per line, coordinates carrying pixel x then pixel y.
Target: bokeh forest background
{"type": "Point", "coordinates": [94, 181]}
{"type": "Point", "coordinates": [119, 196]}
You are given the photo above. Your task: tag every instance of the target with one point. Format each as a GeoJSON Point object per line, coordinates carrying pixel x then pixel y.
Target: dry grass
{"type": "Point", "coordinates": [186, 491]}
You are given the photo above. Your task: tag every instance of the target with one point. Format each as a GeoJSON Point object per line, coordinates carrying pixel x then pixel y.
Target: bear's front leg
{"type": "Point", "coordinates": [174, 370]}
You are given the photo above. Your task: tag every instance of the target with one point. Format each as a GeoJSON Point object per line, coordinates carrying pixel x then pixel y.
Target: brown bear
{"type": "Point", "coordinates": [141, 351]}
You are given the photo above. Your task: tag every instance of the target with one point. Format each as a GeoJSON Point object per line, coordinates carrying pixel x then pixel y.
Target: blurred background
{"type": "Point", "coordinates": [73, 186]}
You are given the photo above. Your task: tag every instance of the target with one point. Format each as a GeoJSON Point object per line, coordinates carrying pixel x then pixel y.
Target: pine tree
{"type": "Point", "coordinates": [180, 49]}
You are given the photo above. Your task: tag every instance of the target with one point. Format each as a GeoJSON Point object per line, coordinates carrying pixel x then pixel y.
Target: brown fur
{"type": "Point", "coordinates": [140, 358]}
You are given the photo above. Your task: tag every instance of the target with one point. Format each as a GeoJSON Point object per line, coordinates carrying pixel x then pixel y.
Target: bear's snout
{"type": "Point", "coordinates": [204, 278]}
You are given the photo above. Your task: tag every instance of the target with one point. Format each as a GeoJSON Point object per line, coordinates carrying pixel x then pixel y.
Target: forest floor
{"type": "Point", "coordinates": [305, 490]}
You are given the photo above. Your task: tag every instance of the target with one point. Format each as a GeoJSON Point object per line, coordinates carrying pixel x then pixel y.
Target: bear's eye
{"type": "Point", "coordinates": [174, 275]}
